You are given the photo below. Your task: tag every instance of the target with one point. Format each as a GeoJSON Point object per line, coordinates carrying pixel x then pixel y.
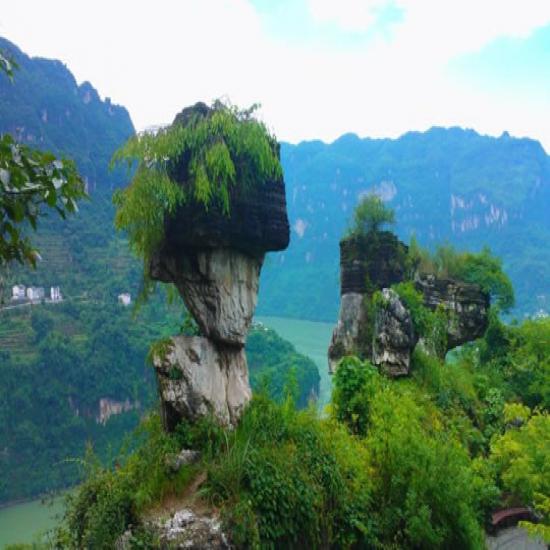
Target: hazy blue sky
{"type": "Point", "coordinates": [319, 68]}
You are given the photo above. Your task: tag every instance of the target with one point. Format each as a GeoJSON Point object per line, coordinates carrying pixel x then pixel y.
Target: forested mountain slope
{"type": "Point", "coordinates": [444, 184]}
{"type": "Point", "coordinates": [46, 108]}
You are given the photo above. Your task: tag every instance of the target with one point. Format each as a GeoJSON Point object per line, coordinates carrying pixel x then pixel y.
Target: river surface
{"type": "Point", "coordinates": [24, 522]}
{"type": "Point", "coordinates": [310, 338]}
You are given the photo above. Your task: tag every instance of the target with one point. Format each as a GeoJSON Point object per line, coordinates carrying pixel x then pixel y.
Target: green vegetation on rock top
{"type": "Point", "coordinates": [200, 158]}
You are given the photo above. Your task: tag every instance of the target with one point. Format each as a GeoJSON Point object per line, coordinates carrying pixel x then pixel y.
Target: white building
{"type": "Point", "coordinates": [18, 292]}
{"type": "Point", "coordinates": [35, 293]}
{"type": "Point", "coordinates": [55, 294]}
{"type": "Point", "coordinates": [125, 299]}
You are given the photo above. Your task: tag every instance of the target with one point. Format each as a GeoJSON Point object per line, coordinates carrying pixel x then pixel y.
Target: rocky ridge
{"type": "Point", "coordinates": [387, 337]}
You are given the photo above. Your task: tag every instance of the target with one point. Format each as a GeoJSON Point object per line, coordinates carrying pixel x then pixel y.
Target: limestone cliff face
{"type": "Point", "coordinates": [387, 339]}
{"type": "Point", "coordinates": [215, 260]}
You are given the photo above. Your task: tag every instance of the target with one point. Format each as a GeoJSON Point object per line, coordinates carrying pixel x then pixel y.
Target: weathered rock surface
{"type": "Point", "coordinates": [257, 222]}
{"type": "Point", "coordinates": [467, 305]}
{"type": "Point", "coordinates": [347, 335]}
{"type": "Point", "coordinates": [394, 337]}
{"type": "Point", "coordinates": [197, 377]}
{"type": "Point", "coordinates": [183, 458]}
{"type": "Point", "coordinates": [219, 287]}
{"type": "Point", "coordinates": [184, 529]}
{"type": "Point", "coordinates": [188, 530]}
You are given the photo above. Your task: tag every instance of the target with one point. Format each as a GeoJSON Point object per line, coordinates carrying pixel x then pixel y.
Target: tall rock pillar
{"type": "Point", "coordinates": [214, 260]}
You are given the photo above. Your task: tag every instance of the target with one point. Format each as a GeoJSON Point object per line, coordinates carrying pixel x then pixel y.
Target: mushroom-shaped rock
{"type": "Point", "coordinates": [213, 253]}
{"type": "Point", "coordinates": [214, 256]}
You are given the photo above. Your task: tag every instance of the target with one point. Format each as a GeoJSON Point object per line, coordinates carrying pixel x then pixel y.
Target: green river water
{"type": "Point", "coordinates": [310, 338]}
{"type": "Point", "coordinates": [23, 522]}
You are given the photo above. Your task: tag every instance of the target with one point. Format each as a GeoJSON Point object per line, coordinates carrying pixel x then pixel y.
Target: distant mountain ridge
{"type": "Point", "coordinates": [46, 108]}
{"type": "Point", "coordinates": [446, 185]}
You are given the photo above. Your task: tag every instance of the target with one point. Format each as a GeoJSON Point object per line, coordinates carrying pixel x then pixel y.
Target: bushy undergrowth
{"type": "Point", "coordinates": [289, 479]}
{"type": "Point", "coordinates": [283, 478]}
{"type": "Point", "coordinates": [422, 478]}
{"type": "Point", "coordinates": [112, 499]}
{"type": "Point", "coordinates": [414, 463]}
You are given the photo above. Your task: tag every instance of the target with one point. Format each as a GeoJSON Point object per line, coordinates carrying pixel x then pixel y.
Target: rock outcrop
{"type": "Point", "coordinates": [198, 376]}
{"type": "Point", "coordinates": [348, 337]}
{"type": "Point", "coordinates": [219, 287]}
{"type": "Point", "coordinates": [393, 336]}
{"type": "Point", "coordinates": [184, 529]}
{"type": "Point", "coordinates": [385, 336]}
{"type": "Point", "coordinates": [214, 260]}
{"type": "Point", "coordinates": [467, 307]}
{"type": "Point", "coordinates": [371, 262]}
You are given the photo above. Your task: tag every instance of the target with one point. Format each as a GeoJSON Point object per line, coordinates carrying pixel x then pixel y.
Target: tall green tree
{"type": "Point", "coordinates": [371, 214]}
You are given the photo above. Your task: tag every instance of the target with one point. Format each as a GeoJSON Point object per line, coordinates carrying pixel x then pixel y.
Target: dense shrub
{"type": "Point", "coordinates": [481, 268]}
{"type": "Point", "coordinates": [354, 385]}
{"type": "Point", "coordinates": [522, 458]}
{"type": "Point", "coordinates": [292, 479]}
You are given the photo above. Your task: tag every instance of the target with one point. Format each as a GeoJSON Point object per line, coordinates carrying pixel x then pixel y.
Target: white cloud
{"type": "Point", "coordinates": [349, 15]}
{"type": "Point", "coordinates": [441, 29]}
{"type": "Point", "coordinates": [155, 58]}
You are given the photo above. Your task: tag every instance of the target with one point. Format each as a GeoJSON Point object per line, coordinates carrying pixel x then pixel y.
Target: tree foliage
{"type": "Point", "coordinates": [522, 458]}
{"type": "Point", "coordinates": [32, 183]}
{"type": "Point", "coordinates": [199, 158]}
{"type": "Point", "coordinates": [371, 214]}
{"type": "Point", "coordinates": [481, 268]}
